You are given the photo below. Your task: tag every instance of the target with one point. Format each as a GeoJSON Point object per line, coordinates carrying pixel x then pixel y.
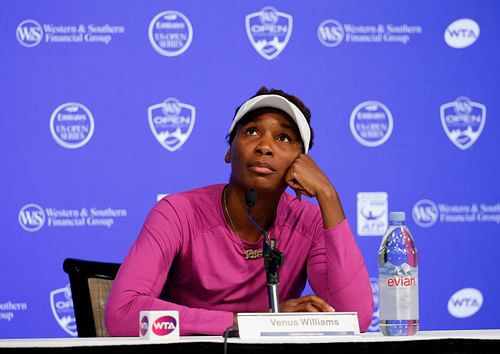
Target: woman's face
{"type": "Point", "coordinates": [263, 150]}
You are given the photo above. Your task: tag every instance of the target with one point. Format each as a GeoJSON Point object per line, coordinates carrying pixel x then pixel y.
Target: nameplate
{"type": "Point", "coordinates": [305, 324]}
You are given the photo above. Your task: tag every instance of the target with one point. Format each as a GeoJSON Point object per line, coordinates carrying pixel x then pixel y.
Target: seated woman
{"type": "Point", "coordinates": [199, 254]}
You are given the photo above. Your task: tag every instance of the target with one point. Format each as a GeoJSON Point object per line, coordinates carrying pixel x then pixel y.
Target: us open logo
{"type": "Point", "coordinates": [171, 122]}
{"type": "Point", "coordinates": [31, 217]}
{"type": "Point", "coordinates": [269, 31]}
{"type": "Point", "coordinates": [170, 33]}
{"type": "Point", "coordinates": [463, 121]}
{"type": "Point", "coordinates": [29, 33]}
{"type": "Point", "coordinates": [371, 123]}
{"type": "Point", "coordinates": [330, 33]}
{"type": "Point", "coordinates": [72, 125]}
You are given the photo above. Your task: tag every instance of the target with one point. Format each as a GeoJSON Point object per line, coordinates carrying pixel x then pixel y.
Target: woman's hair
{"type": "Point", "coordinates": [252, 114]}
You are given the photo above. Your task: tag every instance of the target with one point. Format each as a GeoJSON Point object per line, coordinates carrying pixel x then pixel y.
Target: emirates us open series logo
{"type": "Point", "coordinates": [72, 125]}
{"type": "Point", "coordinates": [170, 33]}
{"type": "Point", "coordinates": [269, 31]}
{"type": "Point", "coordinates": [171, 122]}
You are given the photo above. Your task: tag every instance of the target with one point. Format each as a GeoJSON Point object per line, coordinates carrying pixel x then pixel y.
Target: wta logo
{"type": "Point", "coordinates": [465, 302]}
{"type": "Point", "coordinates": [164, 325]}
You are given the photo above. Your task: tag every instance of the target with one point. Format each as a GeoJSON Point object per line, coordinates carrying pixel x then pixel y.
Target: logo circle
{"type": "Point", "coordinates": [462, 33]}
{"type": "Point", "coordinates": [170, 33]}
{"type": "Point", "coordinates": [72, 125]}
{"type": "Point", "coordinates": [144, 325]}
{"type": "Point", "coordinates": [371, 123]}
{"type": "Point", "coordinates": [29, 33]}
{"type": "Point", "coordinates": [425, 213]}
{"type": "Point", "coordinates": [465, 302]}
{"type": "Point", "coordinates": [31, 217]}
{"type": "Point", "coordinates": [164, 325]}
{"type": "Point", "coordinates": [330, 33]}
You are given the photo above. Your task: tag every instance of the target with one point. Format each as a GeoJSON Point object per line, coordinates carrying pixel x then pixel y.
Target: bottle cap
{"type": "Point", "coordinates": [397, 216]}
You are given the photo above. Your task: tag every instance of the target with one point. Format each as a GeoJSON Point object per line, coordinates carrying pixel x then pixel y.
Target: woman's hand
{"type": "Point", "coordinates": [305, 177]}
{"type": "Point", "coordinates": [310, 303]}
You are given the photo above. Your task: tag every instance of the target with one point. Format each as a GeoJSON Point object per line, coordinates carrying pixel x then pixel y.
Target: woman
{"type": "Point", "coordinates": [198, 253]}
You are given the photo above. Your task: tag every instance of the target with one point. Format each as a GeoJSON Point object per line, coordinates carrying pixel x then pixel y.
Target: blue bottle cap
{"type": "Point", "coordinates": [397, 216]}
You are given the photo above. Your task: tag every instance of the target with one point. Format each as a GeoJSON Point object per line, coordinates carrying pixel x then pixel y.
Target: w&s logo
{"type": "Point", "coordinates": [171, 122]}
{"type": "Point", "coordinates": [31, 217]}
{"type": "Point", "coordinates": [269, 31]}
{"type": "Point", "coordinates": [29, 33]}
{"type": "Point", "coordinates": [425, 213]}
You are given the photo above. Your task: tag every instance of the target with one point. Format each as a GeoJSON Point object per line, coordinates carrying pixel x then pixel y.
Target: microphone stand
{"type": "Point", "coordinates": [273, 258]}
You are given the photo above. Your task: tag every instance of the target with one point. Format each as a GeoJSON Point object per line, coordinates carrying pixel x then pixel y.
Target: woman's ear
{"type": "Point", "coordinates": [227, 158]}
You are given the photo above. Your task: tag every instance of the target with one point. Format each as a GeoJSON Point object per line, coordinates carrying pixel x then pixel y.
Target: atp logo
{"type": "Point", "coordinates": [31, 217]}
{"type": "Point", "coordinates": [164, 325]}
{"type": "Point", "coordinates": [29, 33]}
{"type": "Point", "coordinates": [463, 121]}
{"type": "Point", "coordinates": [171, 122]}
{"type": "Point", "coordinates": [425, 213]}
{"type": "Point", "coordinates": [462, 33]}
{"type": "Point", "coordinates": [330, 33]}
{"type": "Point", "coordinates": [269, 31]}
{"type": "Point", "coordinates": [465, 303]}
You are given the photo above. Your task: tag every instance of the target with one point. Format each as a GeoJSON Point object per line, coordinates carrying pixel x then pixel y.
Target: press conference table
{"type": "Point", "coordinates": [475, 341]}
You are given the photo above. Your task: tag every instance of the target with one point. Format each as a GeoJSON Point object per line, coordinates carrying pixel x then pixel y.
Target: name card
{"type": "Point", "coordinates": [159, 325]}
{"type": "Point", "coordinates": [303, 324]}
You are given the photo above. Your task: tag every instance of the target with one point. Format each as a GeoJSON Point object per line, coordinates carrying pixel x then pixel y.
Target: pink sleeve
{"type": "Point", "coordinates": [337, 273]}
{"type": "Point", "coordinates": [142, 276]}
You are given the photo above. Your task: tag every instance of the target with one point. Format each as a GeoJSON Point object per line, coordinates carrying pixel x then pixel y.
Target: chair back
{"type": "Point", "coordinates": [90, 282]}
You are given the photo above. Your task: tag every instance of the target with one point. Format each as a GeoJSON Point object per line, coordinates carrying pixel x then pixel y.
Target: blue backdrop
{"type": "Point", "coordinates": [108, 105]}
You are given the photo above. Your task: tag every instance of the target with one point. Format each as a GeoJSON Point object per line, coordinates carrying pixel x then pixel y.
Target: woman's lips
{"type": "Point", "coordinates": [262, 168]}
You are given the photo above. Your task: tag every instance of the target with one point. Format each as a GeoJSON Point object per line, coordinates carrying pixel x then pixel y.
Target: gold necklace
{"type": "Point", "coordinates": [250, 253]}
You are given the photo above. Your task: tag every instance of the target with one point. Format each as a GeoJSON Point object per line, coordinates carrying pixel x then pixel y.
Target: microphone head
{"type": "Point", "coordinates": [250, 197]}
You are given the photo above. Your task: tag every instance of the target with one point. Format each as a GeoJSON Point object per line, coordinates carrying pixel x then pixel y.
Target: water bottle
{"type": "Point", "coordinates": [398, 279]}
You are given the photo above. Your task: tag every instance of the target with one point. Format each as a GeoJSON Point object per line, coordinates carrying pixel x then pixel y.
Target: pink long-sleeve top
{"type": "Point", "coordinates": [186, 258]}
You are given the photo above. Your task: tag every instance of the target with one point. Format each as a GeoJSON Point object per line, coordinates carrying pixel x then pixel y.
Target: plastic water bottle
{"type": "Point", "coordinates": [398, 279]}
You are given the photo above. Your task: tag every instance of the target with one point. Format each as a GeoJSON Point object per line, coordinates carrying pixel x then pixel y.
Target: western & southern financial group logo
{"type": "Point", "coordinates": [170, 33]}
{"type": "Point", "coordinates": [171, 122]}
{"type": "Point", "coordinates": [61, 303]}
{"type": "Point", "coordinates": [72, 125]}
{"type": "Point", "coordinates": [371, 123]}
{"type": "Point", "coordinates": [269, 31]}
{"type": "Point", "coordinates": [29, 33]}
{"type": "Point", "coordinates": [463, 121]}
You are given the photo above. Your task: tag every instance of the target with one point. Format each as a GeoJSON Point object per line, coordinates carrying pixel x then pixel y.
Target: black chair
{"type": "Point", "coordinates": [90, 283]}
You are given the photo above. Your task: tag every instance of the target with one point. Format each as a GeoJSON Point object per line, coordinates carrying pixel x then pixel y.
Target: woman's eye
{"type": "Point", "coordinates": [251, 131]}
{"type": "Point", "coordinates": [284, 138]}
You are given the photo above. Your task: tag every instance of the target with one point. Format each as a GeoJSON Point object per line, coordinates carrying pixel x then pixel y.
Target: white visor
{"type": "Point", "coordinates": [281, 103]}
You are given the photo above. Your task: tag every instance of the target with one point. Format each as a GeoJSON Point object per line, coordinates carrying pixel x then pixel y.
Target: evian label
{"type": "Point", "coordinates": [269, 31]}
{"type": "Point", "coordinates": [398, 286]}
{"type": "Point", "coordinates": [463, 121]}
{"type": "Point", "coordinates": [462, 33]}
{"type": "Point", "coordinates": [171, 122]}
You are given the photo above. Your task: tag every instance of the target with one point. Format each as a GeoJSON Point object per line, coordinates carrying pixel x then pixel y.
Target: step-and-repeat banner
{"type": "Point", "coordinates": [109, 105]}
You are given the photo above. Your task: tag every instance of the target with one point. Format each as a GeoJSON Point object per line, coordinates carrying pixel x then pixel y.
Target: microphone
{"type": "Point", "coordinates": [273, 258]}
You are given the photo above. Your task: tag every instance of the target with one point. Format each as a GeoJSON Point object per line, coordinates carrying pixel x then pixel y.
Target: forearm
{"type": "Point", "coordinates": [331, 206]}
{"type": "Point", "coordinates": [122, 316]}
